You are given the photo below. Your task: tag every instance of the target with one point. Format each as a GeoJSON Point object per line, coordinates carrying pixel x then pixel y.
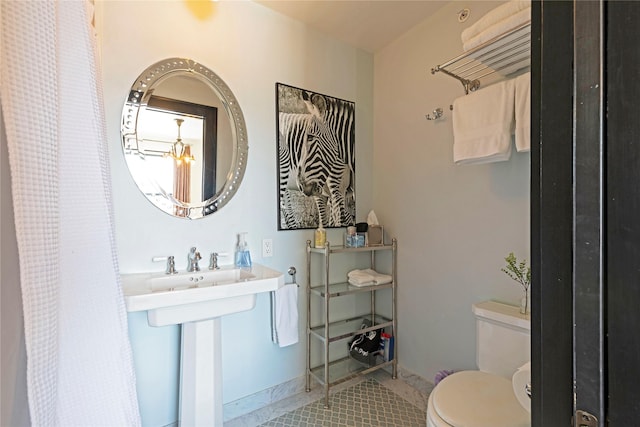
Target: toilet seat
{"type": "Point", "coordinates": [433, 419]}
{"type": "Point", "coordinates": [475, 399]}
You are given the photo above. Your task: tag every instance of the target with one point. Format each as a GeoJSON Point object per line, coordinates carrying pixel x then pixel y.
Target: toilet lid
{"type": "Point", "coordinates": [478, 399]}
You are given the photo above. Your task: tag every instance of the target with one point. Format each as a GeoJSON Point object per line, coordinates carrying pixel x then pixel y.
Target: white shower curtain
{"type": "Point", "coordinates": [79, 364]}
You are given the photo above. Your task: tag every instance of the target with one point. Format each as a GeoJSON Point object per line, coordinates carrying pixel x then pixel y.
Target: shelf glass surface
{"type": "Point", "coordinates": [346, 368]}
{"type": "Point", "coordinates": [347, 328]}
{"type": "Point", "coordinates": [345, 288]}
{"type": "Point", "coordinates": [340, 248]}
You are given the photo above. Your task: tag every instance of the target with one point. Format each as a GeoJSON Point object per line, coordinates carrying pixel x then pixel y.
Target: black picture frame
{"type": "Point", "coordinates": [316, 159]}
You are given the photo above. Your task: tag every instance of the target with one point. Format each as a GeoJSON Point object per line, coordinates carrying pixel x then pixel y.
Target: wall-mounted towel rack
{"type": "Point", "coordinates": [503, 55]}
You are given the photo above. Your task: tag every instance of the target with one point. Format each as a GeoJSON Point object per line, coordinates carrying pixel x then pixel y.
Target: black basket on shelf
{"type": "Point", "coordinates": [365, 347]}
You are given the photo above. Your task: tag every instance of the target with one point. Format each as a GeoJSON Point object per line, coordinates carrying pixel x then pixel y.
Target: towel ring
{"type": "Point", "coordinates": [292, 272]}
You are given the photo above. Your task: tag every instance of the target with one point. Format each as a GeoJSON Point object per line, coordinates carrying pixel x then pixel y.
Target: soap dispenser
{"type": "Point", "coordinates": [243, 256]}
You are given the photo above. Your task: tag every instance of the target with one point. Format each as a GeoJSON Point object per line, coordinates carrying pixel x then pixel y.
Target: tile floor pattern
{"type": "Point", "coordinates": [367, 403]}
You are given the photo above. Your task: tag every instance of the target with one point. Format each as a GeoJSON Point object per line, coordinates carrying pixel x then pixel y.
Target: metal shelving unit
{"type": "Point", "coordinates": [332, 372]}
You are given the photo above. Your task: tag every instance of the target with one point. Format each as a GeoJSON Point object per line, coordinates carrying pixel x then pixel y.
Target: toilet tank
{"type": "Point", "coordinates": [503, 338]}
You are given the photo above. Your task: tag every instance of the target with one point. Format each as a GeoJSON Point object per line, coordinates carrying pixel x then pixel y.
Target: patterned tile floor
{"type": "Point", "coordinates": [365, 404]}
{"type": "Point", "coordinates": [389, 402]}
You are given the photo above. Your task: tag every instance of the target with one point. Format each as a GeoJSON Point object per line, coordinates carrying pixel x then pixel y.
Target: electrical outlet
{"type": "Point", "coordinates": [267, 248]}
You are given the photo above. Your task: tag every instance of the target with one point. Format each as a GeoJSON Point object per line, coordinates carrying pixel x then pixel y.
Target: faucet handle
{"type": "Point", "coordinates": [171, 263]}
{"type": "Point", "coordinates": [213, 260]}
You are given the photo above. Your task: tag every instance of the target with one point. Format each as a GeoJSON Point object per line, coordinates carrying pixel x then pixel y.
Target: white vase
{"type": "Point", "coordinates": [524, 303]}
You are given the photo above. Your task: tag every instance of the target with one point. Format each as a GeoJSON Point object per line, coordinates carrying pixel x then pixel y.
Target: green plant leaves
{"type": "Point", "coordinates": [518, 271]}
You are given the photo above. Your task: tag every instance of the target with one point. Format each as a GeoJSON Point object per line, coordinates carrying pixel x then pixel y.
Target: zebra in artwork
{"type": "Point", "coordinates": [316, 164]}
{"type": "Point", "coordinates": [326, 167]}
{"type": "Point", "coordinates": [292, 131]}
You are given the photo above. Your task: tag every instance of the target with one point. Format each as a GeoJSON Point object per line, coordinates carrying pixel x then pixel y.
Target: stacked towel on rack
{"type": "Point", "coordinates": [368, 277]}
{"type": "Point", "coordinates": [482, 124]}
{"type": "Point", "coordinates": [523, 112]}
{"type": "Point", "coordinates": [494, 16]}
{"type": "Point", "coordinates": [496, 22]}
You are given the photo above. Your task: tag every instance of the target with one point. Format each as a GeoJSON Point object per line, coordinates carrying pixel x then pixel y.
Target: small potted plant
{"type": "Point", "coordinates": [521, 273]}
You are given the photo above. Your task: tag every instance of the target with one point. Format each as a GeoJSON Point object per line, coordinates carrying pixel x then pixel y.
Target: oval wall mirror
{"type": "Point", "coordinates": [184, 138]}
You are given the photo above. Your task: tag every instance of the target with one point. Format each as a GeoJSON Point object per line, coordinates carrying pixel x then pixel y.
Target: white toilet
{"type": "Point", "coordinates": [494, 396]}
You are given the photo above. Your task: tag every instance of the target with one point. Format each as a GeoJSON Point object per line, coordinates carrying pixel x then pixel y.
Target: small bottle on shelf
{"type": "Point", "coordinates": [320, 236]}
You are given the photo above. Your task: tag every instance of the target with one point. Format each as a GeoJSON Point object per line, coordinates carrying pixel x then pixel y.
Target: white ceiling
{"type": "Point", "coordinates": [367, 24]}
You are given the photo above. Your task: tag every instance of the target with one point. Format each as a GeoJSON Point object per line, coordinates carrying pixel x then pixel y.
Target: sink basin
{"type": "Point", "coordinates": [199, 279]}
{"type": "Point", "coordinates": [190, 297]}
{"type": "Point", "coordinates": [196, 301]}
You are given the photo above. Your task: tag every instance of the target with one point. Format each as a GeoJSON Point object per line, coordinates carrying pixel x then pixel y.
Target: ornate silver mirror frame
{"type": "Point", "coordinates": [138, 155]}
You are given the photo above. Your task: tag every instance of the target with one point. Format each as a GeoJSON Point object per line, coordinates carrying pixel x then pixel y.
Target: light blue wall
{"type": "Point", "coordinates": [250, 48]}
{"type": "Point", "coordinates": [454, 224]}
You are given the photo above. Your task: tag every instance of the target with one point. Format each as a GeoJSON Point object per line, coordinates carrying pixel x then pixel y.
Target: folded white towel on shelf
{"type": "Point", "coordinates": [523, 112]}
{"type": "Point", "coordinates": [359, 278]}
{"type": "Point", "coordinates": [494, 16]}
{"type": "Point", "coordinates": [483, 123]}
{"type": "Point", "coordinates": [368, 277]}
{"type": "Point", "coordinates": [286, 308]}
{"type": "Point", "coordinates": [498, 28]}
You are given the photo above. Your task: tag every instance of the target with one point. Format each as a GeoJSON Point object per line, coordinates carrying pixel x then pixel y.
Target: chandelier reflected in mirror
{"type": "Point", "coordinates": [180, 152]}
{"type": "Point", "coordinates": [183, 159]}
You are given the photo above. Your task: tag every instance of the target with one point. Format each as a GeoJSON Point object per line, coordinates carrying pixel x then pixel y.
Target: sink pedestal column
{"type": "Point", "coordinates": [201, 374]}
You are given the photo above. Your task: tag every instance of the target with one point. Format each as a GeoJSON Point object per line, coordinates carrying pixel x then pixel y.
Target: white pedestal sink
{"type": "Point", "coordinates": [197, 301]}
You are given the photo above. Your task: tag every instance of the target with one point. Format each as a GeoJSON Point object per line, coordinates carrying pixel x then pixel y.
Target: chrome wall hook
{"type": "Point", "coordinates": [437, 114]}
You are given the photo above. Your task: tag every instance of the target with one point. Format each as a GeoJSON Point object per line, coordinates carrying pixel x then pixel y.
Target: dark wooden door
{"type": "Point", "coordinates": [622, 304]}
{"type": "Point", "coordinates": [552, 213]}
{"type": "Point", "coordinates": [585, 208]}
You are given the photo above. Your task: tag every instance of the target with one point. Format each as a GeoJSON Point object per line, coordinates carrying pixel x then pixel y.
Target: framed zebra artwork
{"type": "Point", "coordinates": [316, 159]}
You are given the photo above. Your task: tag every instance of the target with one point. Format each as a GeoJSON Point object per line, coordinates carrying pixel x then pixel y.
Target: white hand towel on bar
{"type": "Point", "coordinates": [498, 28]}
{"type": "Point", "coordinates": [523, 112]}
{"type": "Point", "coordinates": [482, 124]}
{"type": "Point", "coordinates": [494, 16]}
{"type": "Point", "coordinates": [287, 315]}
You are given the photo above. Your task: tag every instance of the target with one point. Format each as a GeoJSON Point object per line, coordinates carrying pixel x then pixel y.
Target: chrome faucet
{"type": "Point", "coordinates": [194, 257]}
{"type": "Point", "coordinates": [213, 261]}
